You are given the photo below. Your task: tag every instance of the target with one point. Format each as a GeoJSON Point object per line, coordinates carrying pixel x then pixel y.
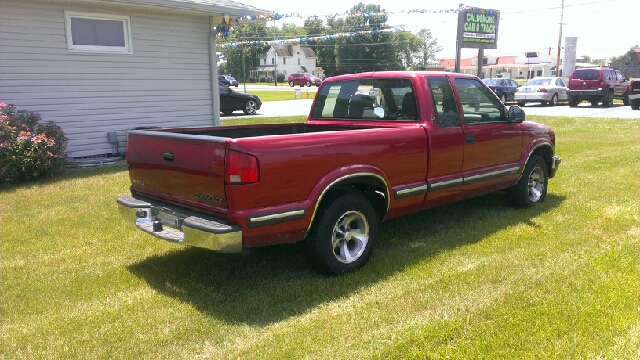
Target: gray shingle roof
{"type": "Point", "coordinates": [217, 7]}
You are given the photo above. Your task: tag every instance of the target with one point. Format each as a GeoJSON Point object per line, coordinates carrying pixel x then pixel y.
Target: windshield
{"type": "Point", "coordinates": [491, 81]}
{"type": "Point", "coordinates": [538, 82]}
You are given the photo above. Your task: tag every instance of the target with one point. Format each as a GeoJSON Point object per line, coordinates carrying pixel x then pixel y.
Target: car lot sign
{"type": "Point", "coordinates": [478, 28]}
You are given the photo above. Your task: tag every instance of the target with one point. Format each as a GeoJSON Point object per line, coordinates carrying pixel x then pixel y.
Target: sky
{"type": "Point", "coordinates": [604, 28]}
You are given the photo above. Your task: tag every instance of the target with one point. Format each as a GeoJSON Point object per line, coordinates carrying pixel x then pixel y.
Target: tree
{"type": "Point", "coordinates": [428, 49]}
{"type": "Point", "coordinates": [406, 46]}
{"type": "Point", "coordinates": [250, 38]}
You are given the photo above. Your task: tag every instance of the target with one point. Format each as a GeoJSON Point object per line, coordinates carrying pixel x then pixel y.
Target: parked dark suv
{"type": "Point", "coordinates": [597, 84]}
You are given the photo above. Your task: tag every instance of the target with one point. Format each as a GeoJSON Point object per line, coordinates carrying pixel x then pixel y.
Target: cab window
{"type": "Point", "coordinates": [444, 102]}
{"type": "Point", "coordinates": [479, 103]}
{"type": "Point", "coordinates": [388, 99]}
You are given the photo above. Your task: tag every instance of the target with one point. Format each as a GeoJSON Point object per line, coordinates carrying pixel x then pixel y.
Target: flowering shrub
{"type": "Point", "coordinates": [28, 149]}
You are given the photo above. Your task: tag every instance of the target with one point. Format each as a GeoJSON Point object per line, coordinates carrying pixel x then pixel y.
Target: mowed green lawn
{"type": "Point", "coordinates": [472, 280]}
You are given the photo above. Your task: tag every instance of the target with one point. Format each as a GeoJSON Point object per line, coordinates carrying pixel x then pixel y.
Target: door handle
{"type": "Point", "coordinates": [469, 139]}
{"type": "Point", "coordinates": [167, 156]}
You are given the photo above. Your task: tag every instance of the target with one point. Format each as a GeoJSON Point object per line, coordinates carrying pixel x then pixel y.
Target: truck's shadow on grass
{"type": "Point", "coordinates": [276, 283]}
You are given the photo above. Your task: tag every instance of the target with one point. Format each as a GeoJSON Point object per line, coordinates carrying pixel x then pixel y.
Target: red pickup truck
{"type": "Point", "coordinates": [376, 146]}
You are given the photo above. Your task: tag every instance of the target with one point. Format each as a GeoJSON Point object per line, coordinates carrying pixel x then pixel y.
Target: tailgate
{"type": "Point", "coordinates": [180, 169]}
{"type": "Point", "coordinates": [580, 84]}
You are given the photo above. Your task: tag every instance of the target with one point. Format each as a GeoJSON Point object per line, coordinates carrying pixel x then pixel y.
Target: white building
{"type": "Point", "coordinates": [287, 59]}
{"type": "Point", "coordinates": [99, 67]}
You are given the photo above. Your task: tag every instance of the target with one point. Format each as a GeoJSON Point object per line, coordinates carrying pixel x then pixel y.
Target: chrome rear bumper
{"type": "Point", "coordinates": [179, 225]}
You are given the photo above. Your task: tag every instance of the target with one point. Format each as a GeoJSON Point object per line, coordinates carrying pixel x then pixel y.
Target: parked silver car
{"type": "Point", "coordinates": [545, 90]}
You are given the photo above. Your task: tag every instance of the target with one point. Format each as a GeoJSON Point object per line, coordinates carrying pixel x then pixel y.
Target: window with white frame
{"type": "Point", "coordinates": [98, 33]}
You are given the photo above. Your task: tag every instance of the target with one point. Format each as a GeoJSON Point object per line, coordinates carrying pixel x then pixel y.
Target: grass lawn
{"type": "Point", "coordinates": [472, 280]}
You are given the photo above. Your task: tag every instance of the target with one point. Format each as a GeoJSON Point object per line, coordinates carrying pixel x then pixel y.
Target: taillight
{"type": "Point", "coordinates": [542, 90]}
{"type": "Point", "coordinates": [517, 90]}
{"type": "Point", "coordinates": [240, 168]}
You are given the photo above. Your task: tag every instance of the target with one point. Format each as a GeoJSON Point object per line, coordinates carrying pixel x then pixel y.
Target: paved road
{"type": "Point", "coordinates": [301, 107]}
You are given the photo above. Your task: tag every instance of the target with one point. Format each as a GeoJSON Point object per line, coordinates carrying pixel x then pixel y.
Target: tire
{"type": "Point", "coordinates": [635, 105]}
{"type": "Point", "coordinates": [343, 236]}
{"type": "Point", "coordinates": [291, 84]}
{"type": "Point", "coordinates": [521, 103]}
{"type": "Point", "coordinates": [625, 100]}
{"type": "Point", "coordinates": [554, 100]}
{"type": "Point", "coordinates": [595, 103]}
{"type": "Point", "coordinates": [573, 101]}
{"type": "Point", "coordinates": [531, 189]}
{"type": "Point", "coordinates": [609, 100]}
{"type": "Point", "coordinates": [250, 107]}
{"type": "Point", "coordinates": [308, 83]}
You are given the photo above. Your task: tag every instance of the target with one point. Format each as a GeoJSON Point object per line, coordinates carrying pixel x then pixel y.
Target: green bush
{"type": "Point", "coordinates": [29, 149]}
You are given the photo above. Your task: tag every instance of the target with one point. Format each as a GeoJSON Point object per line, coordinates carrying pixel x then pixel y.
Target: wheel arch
{"type": "Point", "coordinates": [371, 184]}
{"type": "Point", "coordinates": [544, 149]}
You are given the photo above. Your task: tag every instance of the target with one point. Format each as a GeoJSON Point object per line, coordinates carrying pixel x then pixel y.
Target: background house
{"type": "Point", "coordinates": [287, 59]}
{"type": "Point", "coordinates": [107, 66]}
{"type": "Point", "coordinates": [629, 64]}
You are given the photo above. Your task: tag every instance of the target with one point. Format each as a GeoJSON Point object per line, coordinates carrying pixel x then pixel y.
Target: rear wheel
{"type": "Point", "coordinates": [308, 83]}
{"type": "Point", "coordinates": [531, 189]}
{"type": "Point", "coordinates": [250, 107]}
{"type": "Point", "coordinates": [625, 100]}
{"type": "Point", "coordinates": [609, 100]}
{"type": "Point", "coordinates": [573, 101]}
{"type": "Point", "coordinates": [342, 238]}
{"type": "Point", "coordinates": [554, 100]}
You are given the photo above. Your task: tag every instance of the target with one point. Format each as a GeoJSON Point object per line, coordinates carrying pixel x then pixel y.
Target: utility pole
{"type": "Point", "coordinates": [560, 40]}
{"type": "Point", "coordinates": [275, 54]}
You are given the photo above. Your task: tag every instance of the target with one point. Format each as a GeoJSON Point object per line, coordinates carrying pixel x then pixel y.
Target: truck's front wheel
{"type": "Point", "coordinates": [343, 236]}
{"type": "Point", "coordinates": [531, 189]}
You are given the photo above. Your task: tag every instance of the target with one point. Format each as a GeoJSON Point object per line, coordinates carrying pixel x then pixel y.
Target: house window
{"type": "Point", "coordinates": [273, 60]}
{"type": "Point", "coordinates": [98, 33]}
{"type": "Point", "coordinates": [284, 61]}
{"type": "Point", "coordinates": [298, 61]}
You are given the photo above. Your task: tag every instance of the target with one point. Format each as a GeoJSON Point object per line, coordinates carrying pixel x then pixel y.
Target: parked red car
{"type": "Point", "coordinates": [304, 80]}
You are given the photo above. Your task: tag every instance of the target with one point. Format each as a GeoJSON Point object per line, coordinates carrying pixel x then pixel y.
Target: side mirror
{"type": "Point", "coordinates": [379, 112]}
{"type": "Point", "coordinates": [515, 115]}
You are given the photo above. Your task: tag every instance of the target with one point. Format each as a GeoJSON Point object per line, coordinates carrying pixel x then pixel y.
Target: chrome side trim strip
{"type": "Point", "coordinates": [491, 175]}
{"type": "Point", "coordinates": [411, 191]}
{"type": "Point", "coordinates": [445, 184]}
{"type": "Point", "coordinates": [276, 218]}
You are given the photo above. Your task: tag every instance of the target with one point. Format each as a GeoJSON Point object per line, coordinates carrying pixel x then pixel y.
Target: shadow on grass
{"type": "Point", "coordinates": [276, 283]}
{"type": "Point", "coordinates": [67, 174]}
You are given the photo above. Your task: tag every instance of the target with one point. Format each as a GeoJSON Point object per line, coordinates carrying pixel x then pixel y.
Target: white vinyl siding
{"type": "Point", "coordinates": [165, 82]}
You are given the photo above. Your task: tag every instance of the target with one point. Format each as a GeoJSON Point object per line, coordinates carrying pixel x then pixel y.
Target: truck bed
{"type": "Point", "coordinates": [238, 132]}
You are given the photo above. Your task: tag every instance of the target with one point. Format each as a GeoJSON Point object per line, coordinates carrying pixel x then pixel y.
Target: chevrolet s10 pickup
{"type": "Point", "coordinates": [375, 146]}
